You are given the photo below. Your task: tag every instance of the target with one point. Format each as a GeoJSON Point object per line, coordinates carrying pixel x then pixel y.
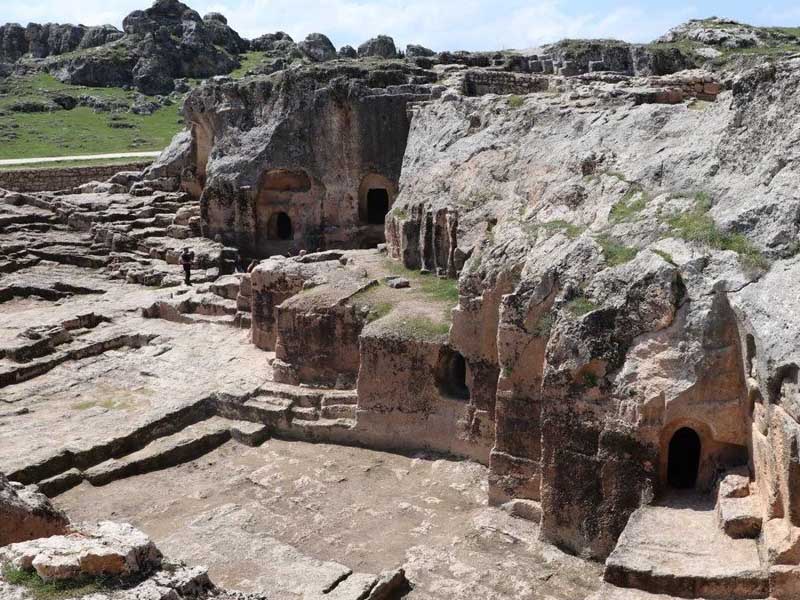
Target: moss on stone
{"type": "Point", "coordinates": [614, 252]}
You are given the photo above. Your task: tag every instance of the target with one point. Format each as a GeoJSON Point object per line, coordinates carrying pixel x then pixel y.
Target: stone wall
{"type": "Point", "coordinates": [478, 83]}
{"type": "Point", "coordinates": [60, 178]}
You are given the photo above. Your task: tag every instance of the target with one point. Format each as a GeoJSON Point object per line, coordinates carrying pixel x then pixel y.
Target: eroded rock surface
{"type": "Point", "coordinates": [26, 514]}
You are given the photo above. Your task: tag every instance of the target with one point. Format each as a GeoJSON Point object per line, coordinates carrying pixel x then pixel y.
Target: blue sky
{"type": "Point", "coordinates": [439, 24]}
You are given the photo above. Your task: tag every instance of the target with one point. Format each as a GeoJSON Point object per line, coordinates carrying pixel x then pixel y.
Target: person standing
{"type": "Point", "coordinates": [187, 258]}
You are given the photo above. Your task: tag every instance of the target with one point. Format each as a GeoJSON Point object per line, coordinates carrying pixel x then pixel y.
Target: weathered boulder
{"type": "Point", "coordinates": [13, 43]}
{"type": "Point", "coordinates": [382, 46]}
{"type": "Point", "coordinates": [222, 35]}
{"type": "Point", "coordinates": [26, 514]}
{"type": "Point", "coordinates": [271, 41]}
{"type": "Point", "coordinates": [99, 35]}
{"type": "Point", "coordinates": [347, 52]}
{"type": "Point", "coordinates": [317, 47]}
{"type": "Point", "coordinates": [106, 548]}
{"type": "Point", "coordinates": [417, 51]}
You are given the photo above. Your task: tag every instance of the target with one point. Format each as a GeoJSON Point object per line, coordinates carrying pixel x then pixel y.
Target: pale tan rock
{"type": "Point", "coordinates": [782, 542]}
{"type": "Point", "coordinates": [106, 548]}
{"type": "Point", "coordinates": [26, 514]}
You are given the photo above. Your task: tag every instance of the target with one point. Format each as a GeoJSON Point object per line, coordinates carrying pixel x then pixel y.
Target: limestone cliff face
{"type": "Point", "coordinates": [625, 274]}
{"type": "Point", "coordinates": [304, 146]}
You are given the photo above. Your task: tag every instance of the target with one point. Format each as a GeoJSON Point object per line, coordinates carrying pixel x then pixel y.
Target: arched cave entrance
{"type": "Point", "coordinates": [376, 195]}
{"type": "Point", "coordinates": [377, 206]}
{"type": "Point", "coordinates": [451, 375]}
{"type": "Point", "coordinates": [683, 463]}
{"type": "Point", "coordinates": [280, 227]}
{"type": "Point", "coordinates": [287, 209]}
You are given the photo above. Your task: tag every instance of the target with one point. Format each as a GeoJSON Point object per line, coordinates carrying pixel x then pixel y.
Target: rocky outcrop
{"type": "Point", "coordinates": [345, 154]}
{"type": "Point", "coordinates": [317, 47]}
{"type": "Point", "coordinates": [415, 51]}
{"type": "Point", "coordinates": [544, 288]}
{"type": "Point", "coordinates": [574, 57]}
{"type": "Point", "coordinates": [157, 45]}
{"type": "Point", "coordinates": [41, 41]}
{"type": "Point", "coordinates": [223, 35]}
{"type": "Point", "coordinates": [382, 46]}
{"type": "Point", "coordinates": [273, 42]}
{"type": "Point", "coordinates": [26, 514]}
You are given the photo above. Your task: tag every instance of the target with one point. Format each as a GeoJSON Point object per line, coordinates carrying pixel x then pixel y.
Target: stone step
{"type": "Point", "coordinates": [349, 397]}
{"type": "Point", "coordinates": [270, 411]}
{"type": "Point", "coordinates": [71, 256]}
{"type": "Point", "coordinates": [612, 592]}
{"type": "Point", "coordinates": [226, 287]}
{"type": "Point", "coordinates": [249, 433]}
{"type": "Point", "coordinates": [301, 396]}
{"type": "Point", "coordinates": [339, 411]}
{"type": "Point", "coordinates": [180, 232]}
{"type": "Point", "coordinates": [303, 413]}
{"type": "Point", "coordinates": [16, 373]}
{"type": "Point", "coordinates": [739, 517]}
{"type": "Point", "coordinates": [147, 232]}
{"type": "Point", "coordinates": [243, 320]}
{"type": "Point", "coordinates": [213, 320]}
{"type": "Point", "coordinates": [676, 547]}
{"type": "Point", "coordinates": [318, 425]}
{"type": "Point", "coordinates": [186, 445]}
{"type": "Point", "coordinates": [58, 484]}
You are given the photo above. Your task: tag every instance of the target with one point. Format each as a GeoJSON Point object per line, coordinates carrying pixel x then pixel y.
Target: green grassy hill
{"type": "Point", "coordinates": [50, 130]}
{"type": "Point", "coordinates": [82, 130]}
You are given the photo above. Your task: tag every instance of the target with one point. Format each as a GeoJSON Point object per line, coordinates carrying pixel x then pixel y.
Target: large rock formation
{"type": "Point", "coordinates": [167, 41]}
{"type": "Point", "coordinates": [41, 41]}
{"type": "Point", "coordinates": [305, 154]}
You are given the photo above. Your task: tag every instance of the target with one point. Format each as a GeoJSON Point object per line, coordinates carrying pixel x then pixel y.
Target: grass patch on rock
{"type": "Point", "coordinates": [543, 326]}
{"type": "Point", "coordinates": [666, 256]}
{"type": "Point", "coordinates": [580, 305]}
{"type": "Point", "coordinates": [436, 288]}
{"type": "Point", "coordinates": [378, 310]}
{"type": "Point", "coordinates": [516, 102]}
{"type": "Point", "coordinates": [247, 61]}
{"type": "Point", "coordinates": [698, 226]}
{"type": "Point", "coordinates": [423, 327]}
{"type": "Point", "coordinates": [54, 590]}
{"type": "Point", "coordinates": [570, 230]}
{"type": "Point", "coordinates": [632, 203]}
{"type": "Point", "coordinates": [614, 252]}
